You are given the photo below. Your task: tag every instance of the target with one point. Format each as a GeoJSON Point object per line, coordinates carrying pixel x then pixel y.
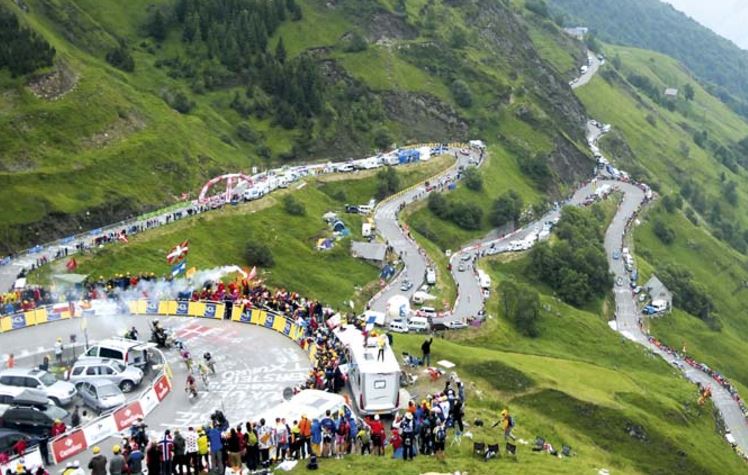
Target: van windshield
{"type": "Point", "coordinates": [55, 412]}
{"type": "Point", "coordinates": [119, 367]}
{"type": "Point", "coordinates": [47, 379]}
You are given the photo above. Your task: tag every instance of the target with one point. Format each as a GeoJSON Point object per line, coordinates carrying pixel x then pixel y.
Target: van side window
{"type": "Point", "coordinates": [77, 370]}
{"type": "Point", "coordinates": [91, 371]}
{"type": "Point", "coordinates": [380, 384]}
{"type": "Point", "coordinates": [109, 353]}
{"type": "Point", "coordinates": [92, 351]}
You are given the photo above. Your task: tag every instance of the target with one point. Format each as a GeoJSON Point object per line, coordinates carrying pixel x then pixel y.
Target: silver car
{"type": "Point", "coordinates": [92, 369]}
{"type": "Point", "coordinates": [100, 394]}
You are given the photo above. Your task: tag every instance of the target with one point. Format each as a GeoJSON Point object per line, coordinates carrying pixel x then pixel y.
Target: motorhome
{"type": "Point", "coordinates": [311, 403]}
{"type": "Point", "coordinates": [430, 276]}
{"type": "Point", "coordinates": [375, 383]}
{"type": "Point", "coordinates": [418, 324]}
{"type": "Point", "coordinates": [484, 279]}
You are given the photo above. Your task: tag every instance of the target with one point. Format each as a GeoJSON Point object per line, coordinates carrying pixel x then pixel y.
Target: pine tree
{"type": "Point", "coordinates": [280, 51]}
{"type": "Point", "coordinates": [158, 28]}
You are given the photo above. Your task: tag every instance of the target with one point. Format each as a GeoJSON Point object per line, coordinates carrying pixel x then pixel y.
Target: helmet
{"type": "Point", "coordinates": [96, 450]}
{"type": "Point", "coordinates": [116, 449]}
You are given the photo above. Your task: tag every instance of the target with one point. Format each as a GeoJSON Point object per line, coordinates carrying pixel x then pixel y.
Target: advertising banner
{"type": "Point", "coordinates": [69, 445]}
{"type": "Point", "coordinates": [127, 415]}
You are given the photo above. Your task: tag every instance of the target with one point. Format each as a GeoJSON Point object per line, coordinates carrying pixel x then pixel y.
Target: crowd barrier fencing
{"type": "Point", "coordinates": [39, 316]}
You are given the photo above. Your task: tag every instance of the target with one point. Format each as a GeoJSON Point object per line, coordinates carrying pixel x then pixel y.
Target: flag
{"type": "Point", "coordinates": [190, 272]}
{"type": "Point", "coordinates": [71, 265]}
{"type": "Point", "coordinates": [123, 237]}
{"type": "Point", "coordinates": [252, 274]}
{"type": "Point", "coordinates": [178, 252]}
{"type": "Point", "coordinates": [370, 321]}
{"type": "Point", "coordinates": [179, 268]}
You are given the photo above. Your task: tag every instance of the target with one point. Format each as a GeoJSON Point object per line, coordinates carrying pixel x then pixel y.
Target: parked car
{"type": "Point", "coordinates": [61, 392]}
{"type": "Point", "coordinates": [33, 420]}
{"type": "Point", "coordinates": [398, 326]}
{"type": "Point", "coordinates": [100, 394]}
{"type": "Point", "coordinates": [461, 267]}
{"type": "Point", "coordinates": [616, 254]}
{"type": "Point", "coordinates": [406, 285]}
{"type": "Point", "coordinates": [9, 437]}
{"type": "Point", "coordinates": [13, 394]}
{"type": "Point", "coordinates": [457, 324]}
{"type": "Point", "coordinates": [90, 369]}
{"type": "Point", "coordinates": [128, 352]}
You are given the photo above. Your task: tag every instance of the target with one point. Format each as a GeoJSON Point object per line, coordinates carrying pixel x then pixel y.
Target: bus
{"type": "Point", "coordinates": [375, 384]}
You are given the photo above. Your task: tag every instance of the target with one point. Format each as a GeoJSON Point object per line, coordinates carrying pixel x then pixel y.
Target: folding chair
{"type": "Point", "coordinates": [479, 448]}
{"type": "Point", "coordinates": [491, 452]}
{"type": "Point", "coordinates": [511, 449]}
{"type": "Point", "coordinates": [566, 451]}
{"type": "Point", "coordinates": [456, 439]}
{"type": "Point", "coordinates": [539, 443]}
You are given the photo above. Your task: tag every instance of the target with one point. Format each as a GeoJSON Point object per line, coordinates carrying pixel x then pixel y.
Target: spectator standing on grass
{"type": "Point", "coordinates": [407, 426]}
{"type": "Point", "coordinates": [377, 435]}
{"type": "Point", "coordinates": [426, 350]}
{"type": "Point", "coordinates": [305, 434]}
{"type": "Point", "coordinates": [507, 424]}
{"type": "Point", "coordinates": [252, 452]}
{"type": "Point", "coordinates": [265, 442]}
{"type": "Point", "coordinates": [179, 452]}
{"type": "Point", "coordinates": [234, 448]}
{"type": "Point", "coordinates": [316, 437]}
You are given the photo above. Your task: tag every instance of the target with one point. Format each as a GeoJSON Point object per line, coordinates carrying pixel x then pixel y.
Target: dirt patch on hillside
{"type": "Point", "coordinates": [126, 124]}
{"type": "Point", "coordinates": [54, 85]}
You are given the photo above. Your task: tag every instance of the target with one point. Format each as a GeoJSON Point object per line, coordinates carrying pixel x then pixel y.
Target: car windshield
{"type": "Point", "coordinates": [47, 379]}
{"type": "Point", "coordinates": [55, 412]}
{"type": "Point", "coordinates": [119, 367]}
{"type": "Point", "coordinates": [108, 390]}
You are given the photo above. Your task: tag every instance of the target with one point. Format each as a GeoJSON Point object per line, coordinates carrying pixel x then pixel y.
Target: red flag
{"type": "Point", "coordinates": [178, 252]}
{"type": "Point", "coordinates": [123, 237]}
{"type": "Point", "coordinates": [71, 265]}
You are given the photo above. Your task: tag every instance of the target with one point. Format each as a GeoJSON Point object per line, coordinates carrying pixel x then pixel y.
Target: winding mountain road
{"type": "Point", "coordinates": [470, 300]}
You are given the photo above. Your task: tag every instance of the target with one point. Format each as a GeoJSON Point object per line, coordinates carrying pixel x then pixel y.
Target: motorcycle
{"type": "Point", "coordinates": [161, 336]}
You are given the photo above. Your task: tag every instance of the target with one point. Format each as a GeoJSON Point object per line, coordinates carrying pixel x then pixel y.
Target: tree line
{"type": "Point", "coordinates": [22, 51]}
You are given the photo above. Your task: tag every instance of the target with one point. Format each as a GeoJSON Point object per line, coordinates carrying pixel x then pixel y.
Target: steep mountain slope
{"type": "Point", "coordinates": [146, 99]}
{"type": "Point", "coordinates": [657, 26]}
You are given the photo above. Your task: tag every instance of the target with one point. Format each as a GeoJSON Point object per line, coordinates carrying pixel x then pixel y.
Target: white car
{"type": "Point", "coordinates": [456, 324]}
{"type": "Point", "coordinates": [61, 392]}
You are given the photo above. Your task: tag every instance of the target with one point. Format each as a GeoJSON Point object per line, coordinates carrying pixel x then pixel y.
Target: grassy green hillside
{"type": "Point", "coordinates": [101, 142]}
{"type": "Point", "coordinates": [708, 229]}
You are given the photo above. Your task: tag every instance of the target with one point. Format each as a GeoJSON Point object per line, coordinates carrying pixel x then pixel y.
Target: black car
{"type": "Point", "coordinates": [33, 420]}
{"type": "Point", "coordinates": [351, 209]}
{"type": "Point", "coordinates": [9, 437]}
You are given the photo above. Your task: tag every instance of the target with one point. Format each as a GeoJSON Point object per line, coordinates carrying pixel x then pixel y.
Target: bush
{"type": "Point", "coordinates": [521, 304]}
{"type": "Point", "coordinates": [688, 294]}
{"type": "Point", "coordinates": [382, 138]}
{"type": "Point", "coordinates": [293, 206]}
{"type": "Point", "coordinates": [357, 43]}
{"type": "Point", "coordinates": [506, 209]}
{"type": "Point", "coordinates": [388, 182]}
{"type": "Point", "coordinates": [473, 180]}
{"type": "Point", "coordinates": [664, 232]}
{"type": "Point", "coordinates": [120, 58]}
{"type": "Point", "coordinates": [258, 254]}
{"type": "Point", "coordinates": [461, 93]}
{"type": "Point", "coordinates": [468, 216]}
{"type": "Point", "coordinates": [538, 7]}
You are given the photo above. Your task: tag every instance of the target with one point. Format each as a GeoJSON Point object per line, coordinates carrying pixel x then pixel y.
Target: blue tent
{"type": "Point", "coordinates": [408, 156]}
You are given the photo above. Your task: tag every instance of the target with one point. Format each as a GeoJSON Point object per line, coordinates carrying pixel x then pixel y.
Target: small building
{"type": "Point", "coordinates": [658, 291]}
{"type": "Point", "coordinates": [671, 92]}
{"type": "Point", "coordinates": [578, 32]}
{"type": "Point", "coordinates": [373, 252]}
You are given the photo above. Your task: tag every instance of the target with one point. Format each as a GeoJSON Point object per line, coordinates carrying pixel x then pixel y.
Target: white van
{"type": "Point", "coordinates": [427, 312]}
{"type": "Point", "coordinates": [418, 324]}
{"type": "Point", "coordinates": [309, 402]}
{"type": "Point", "coordinates": [365, 209]}
{"type": "Point", "coordinates": [398, 326]}
{"type": "Point", "coordinates": [375, 383]}
{"type": "Point", "coordinates": [126, 351]}
{"type": "Point", "coordinates": [430, 276]}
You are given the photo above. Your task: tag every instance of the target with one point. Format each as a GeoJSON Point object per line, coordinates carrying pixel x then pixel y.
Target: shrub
{"type": "Point", "coordinates": [258, 254]}
{"type": "Point", "coordinates": [521, 304]}
{"type": "Point", "coordinates": [293, 206]}
{"type": "Point", "coordinates": [664, 232]}
{"type": "Point", "coordinates": [461, 93]}
{"type": "Point", "coordinates": [388, 182]}
{"type": "Point", "coordinates": [473, 180]}
{"type": "Point", "coordinates": [506, 209]}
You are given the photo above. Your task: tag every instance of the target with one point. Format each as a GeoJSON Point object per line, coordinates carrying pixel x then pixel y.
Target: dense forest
{"type": "Point", "coordinates": [655, 25]}
{"type": "Point", "coordinates": [21, 50]}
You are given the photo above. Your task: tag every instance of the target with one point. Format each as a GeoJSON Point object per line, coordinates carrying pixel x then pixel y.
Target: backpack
{"type": "Point", "coordinates": [342, 428]}
{"type": "Point", "coordinates": [511, 421]}
{"type": "Point", "coordinates": [441, 435]}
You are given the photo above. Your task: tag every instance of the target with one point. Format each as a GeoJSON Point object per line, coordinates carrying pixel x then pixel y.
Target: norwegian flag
{"type": "Point", "coordinates": [178, 252]}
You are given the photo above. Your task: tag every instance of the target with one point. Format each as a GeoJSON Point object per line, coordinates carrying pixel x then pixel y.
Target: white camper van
{"type": "Point", "coordinates": [375, 384]}
{"type": "Point", "coordinates": [484, 279]}
{"type": "Point", "coordinates": [309, 402]}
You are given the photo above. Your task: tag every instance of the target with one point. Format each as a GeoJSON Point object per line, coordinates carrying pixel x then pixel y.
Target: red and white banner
{"type": "Point", "coordinates": [69, 445]}
{"type": "Point", "coordinates": [162, 387]}
{"type": "Point", "coordinates": [99, 429]}
{"type": "Point", "coordinates": [127, 415]}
